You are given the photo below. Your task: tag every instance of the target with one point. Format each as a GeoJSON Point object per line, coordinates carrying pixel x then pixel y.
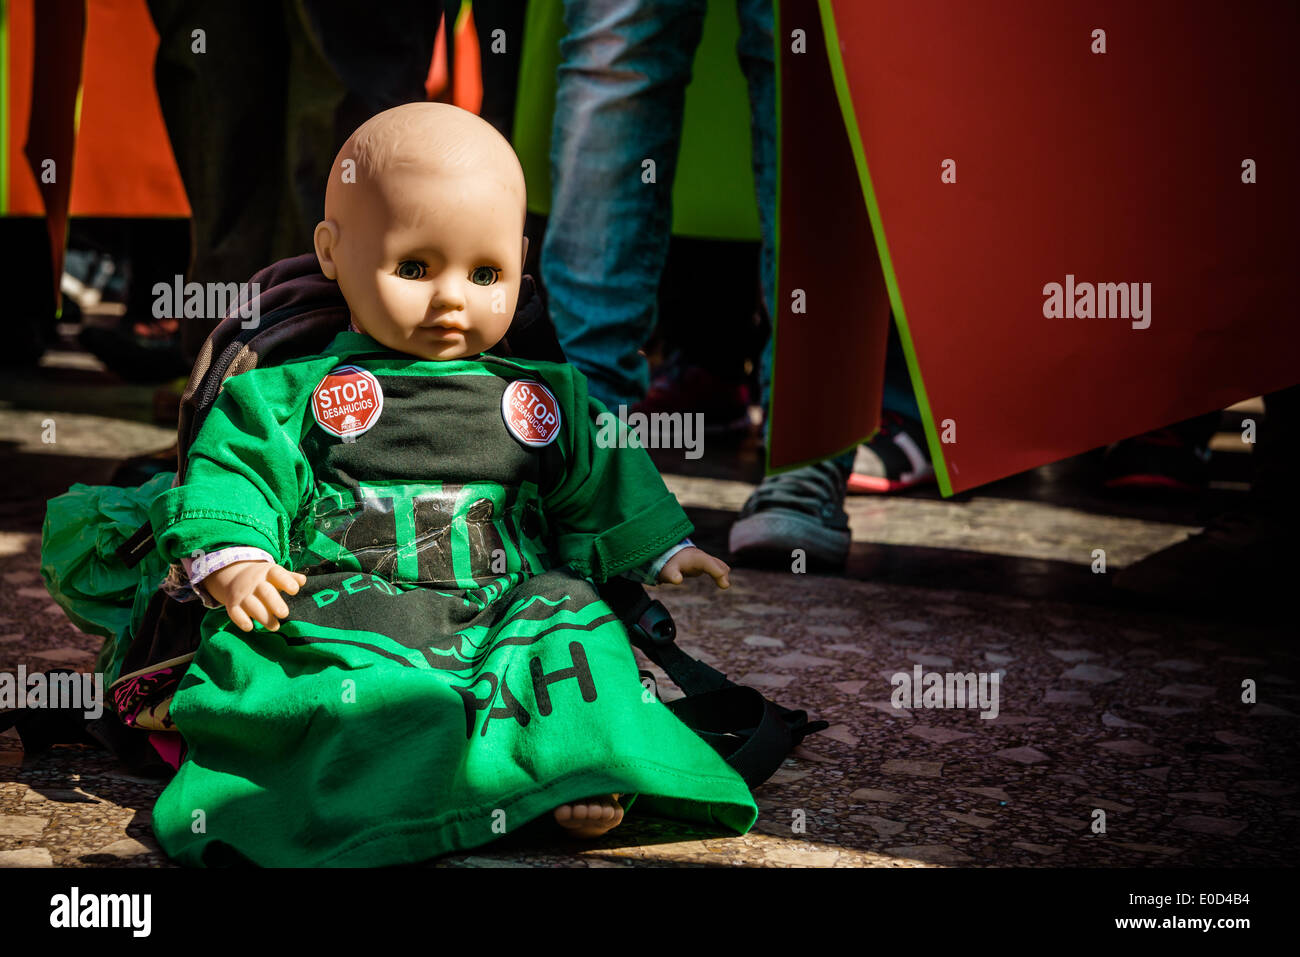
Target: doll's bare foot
{"type": "Point", "coordinates": [590, 817]}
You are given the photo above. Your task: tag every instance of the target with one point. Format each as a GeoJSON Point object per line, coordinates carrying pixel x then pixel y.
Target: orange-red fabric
{"type": "Point", "coordinates": [828, 364]}
{"type": "Point", "coordinates": [467, 85]}
{"type": "Point", "coordinates": [123, 163]}
{"type": "Point", "coordinates": [59, 32]}
{"type": "Point", "coordinates": [1123, 166]}
{"type": "Point", "coordinates": [436, 81]}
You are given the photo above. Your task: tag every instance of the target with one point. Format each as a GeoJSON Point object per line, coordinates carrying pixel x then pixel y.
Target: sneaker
{"type": "Point", "coordinates": [800, 509]}
{"type": "Point", "coordinates": [894, 460]}
{"type": "Point", "coordinates": [1162, 459]}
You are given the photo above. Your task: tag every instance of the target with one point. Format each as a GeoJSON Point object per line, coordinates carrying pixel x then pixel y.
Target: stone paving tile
{"type": "Point", "coordinates": [1275, 789]}
{"type": "Point", "coordinates": [1158, 738]}
{"type": "Point", "coordinates": [1072, 654]}
{"type": "Point", "coordinates": [1208, 825]}
{"type": "Point", "coordinates": [1128, 746]}
{"type": "Point", "coordinates": [1115, 721]}
{"type": "Point", "coordinates": [1023, 755]}
{"type": "Point", "coordinates": [1070, 698]}
{"type": "Point", "coordinates": [1270, 711]}
{"type": "Point", "coordinates": [26, 857]}
{"type": "Point", "coordinates": [1040, 849]}
{"type": "Point", "coordinates": [877, 795]}
{"type": "Point", "coordinates": [1094, 674]}
{"type": "Point", "coordinates": [938, 735]}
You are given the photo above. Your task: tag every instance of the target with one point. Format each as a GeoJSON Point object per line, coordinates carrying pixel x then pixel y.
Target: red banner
{"type": "Point", "coordinates": [1085, 215]}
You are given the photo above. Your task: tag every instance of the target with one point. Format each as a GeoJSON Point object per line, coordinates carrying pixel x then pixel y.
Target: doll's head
{"type": "Point", "coordinates": [424, 230]}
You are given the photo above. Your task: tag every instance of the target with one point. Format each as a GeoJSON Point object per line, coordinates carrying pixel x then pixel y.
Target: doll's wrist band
{"type": "Point", "coordinates": [200, 568]}
{"type": "Point", "coordinates": [652, 574]}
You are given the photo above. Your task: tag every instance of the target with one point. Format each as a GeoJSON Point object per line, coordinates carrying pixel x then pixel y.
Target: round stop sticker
{"type": "Point", "coordinates": [532, 414]}
{"type": "Point", "coordinates": [347, 402]}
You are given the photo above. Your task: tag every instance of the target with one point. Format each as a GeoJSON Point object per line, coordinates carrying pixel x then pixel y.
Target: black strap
{"type": "Point", "coordinates": [41, 728]}
{"type": "Point", "coordinates": [132, 551]}
{"type": "Point", "coordinates": [753, 733]}
{"type": "Point", "coordinates": [742, 726]}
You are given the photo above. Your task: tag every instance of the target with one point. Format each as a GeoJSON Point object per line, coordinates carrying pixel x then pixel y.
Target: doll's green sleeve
{"type": "Point", "coordinates": [611, 510]}
{"type": "Point", "coordinates": [246, 477]}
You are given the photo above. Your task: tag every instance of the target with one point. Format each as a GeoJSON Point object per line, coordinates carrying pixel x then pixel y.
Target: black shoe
{"type": "Point", "coordinates": [802, 509]}
{"type": "Point", "coordinates": [1162, 459]}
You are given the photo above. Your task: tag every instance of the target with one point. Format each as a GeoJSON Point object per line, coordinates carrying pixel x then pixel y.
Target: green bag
{"type": "Point", "coordinates": [83, 529]}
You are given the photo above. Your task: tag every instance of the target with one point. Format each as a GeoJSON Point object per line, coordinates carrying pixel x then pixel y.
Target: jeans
{"type": "Point", "coordinates": [625, 66]}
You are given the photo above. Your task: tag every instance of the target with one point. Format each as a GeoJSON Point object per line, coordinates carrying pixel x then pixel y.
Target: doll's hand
{"type": "Point", "coordinates": [693, 561]}
{"type": "Point", "coordinates": [251, 590]}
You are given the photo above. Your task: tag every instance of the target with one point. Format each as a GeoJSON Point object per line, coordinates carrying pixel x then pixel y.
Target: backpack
{"type": "Point", "coordinates": [299, 313]}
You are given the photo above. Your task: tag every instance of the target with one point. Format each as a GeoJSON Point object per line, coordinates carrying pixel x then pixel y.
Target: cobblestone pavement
{"type": "Point", "coordinates": [1106, 709]}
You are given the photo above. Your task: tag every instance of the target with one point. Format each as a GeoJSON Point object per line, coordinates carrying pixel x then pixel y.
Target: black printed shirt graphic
{"type": "Point", "coordinates": [448, 673]}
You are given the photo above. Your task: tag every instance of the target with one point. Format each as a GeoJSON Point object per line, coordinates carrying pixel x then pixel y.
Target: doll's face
{"type": "Point", "coordinates": [430, 263]}
{"type": "Point", "coordinates": [423, 230]}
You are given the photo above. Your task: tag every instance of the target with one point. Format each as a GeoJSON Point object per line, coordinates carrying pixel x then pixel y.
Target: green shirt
{"type": "Point", "coordinates": [437, 491]}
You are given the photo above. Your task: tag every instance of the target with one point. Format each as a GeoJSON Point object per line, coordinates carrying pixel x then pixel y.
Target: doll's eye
{"type": "Point", "coordinates": [484, 275]}
{"type": "Point", "coordinates": [410, 269]}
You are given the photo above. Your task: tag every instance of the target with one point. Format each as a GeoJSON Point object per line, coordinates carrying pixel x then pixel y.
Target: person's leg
{"type": "Point", "coordinates": [256, 118]}
{"type": "Point", "coordinates": [625, 65]}
{"type": "Point", "coordinates": [224, 110]}
{"type": "Point", "coordinates": [345, 66]}
{"type": "Point", "coordinates": [500, 69]}
{"type": "Point", "coordinates": [364, 63]}
{"type": "Point", "coordinates": [899, 396]}
{"type": "Point", "coordinates": [897, 457]}
{"type": "Point", "coordinates": [29, 275]}
{"type": "Point", "coordinates": [757, 53]}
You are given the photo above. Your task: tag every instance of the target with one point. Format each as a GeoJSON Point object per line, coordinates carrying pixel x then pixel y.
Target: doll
{"type": "Point", "coordinates": [405, 653]}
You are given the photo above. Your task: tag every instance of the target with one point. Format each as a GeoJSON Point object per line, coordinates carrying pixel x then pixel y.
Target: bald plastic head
{"type": "Point", "coordinates": [418, 139]}
{"type": "Point", "coordinates": [424, 226]}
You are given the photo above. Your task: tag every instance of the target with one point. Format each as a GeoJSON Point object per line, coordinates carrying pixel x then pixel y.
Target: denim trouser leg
{"type": "Point", "coordinates": [757, 61]}
{"type": "Point", "coordinates": [625, 65]}
{"type": "Point", "coordinates": [898, 395]}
